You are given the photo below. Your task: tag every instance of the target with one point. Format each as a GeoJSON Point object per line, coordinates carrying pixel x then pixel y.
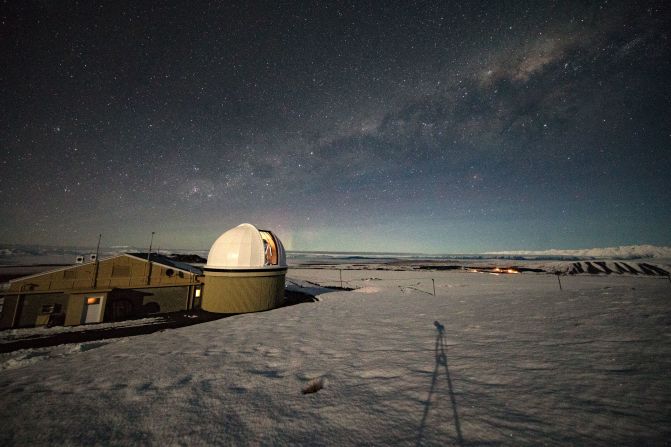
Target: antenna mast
{"type": "Point", "coordinates": [95, 268]}
{"type": "Point", "coordinates": [151, 242]}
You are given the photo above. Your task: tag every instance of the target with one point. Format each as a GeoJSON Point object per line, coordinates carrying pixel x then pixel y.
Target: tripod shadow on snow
{"type": "Point", "coordinates": [441, 361]}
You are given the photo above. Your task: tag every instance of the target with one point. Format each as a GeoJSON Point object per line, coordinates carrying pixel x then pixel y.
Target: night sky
{"type": "Point", "coordinates": [438, 127]}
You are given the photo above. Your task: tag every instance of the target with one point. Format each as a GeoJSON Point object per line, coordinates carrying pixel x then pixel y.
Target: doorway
{"type": "Point", "coordinates": [93, 309]}
{"type": "Point", "coordinates": [270, 247]}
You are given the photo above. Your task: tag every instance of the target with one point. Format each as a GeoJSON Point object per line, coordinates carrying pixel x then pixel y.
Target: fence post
{"type": "Point", "coordinates": [434, 286]}
{"type": "Point", "coordinates": [559, 281]}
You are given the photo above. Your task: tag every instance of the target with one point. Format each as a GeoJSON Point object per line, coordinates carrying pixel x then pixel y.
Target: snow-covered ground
{"type": "Point", "coordinates": [489, 360]}
{"type": "Point", "coordinates": [11, 335]}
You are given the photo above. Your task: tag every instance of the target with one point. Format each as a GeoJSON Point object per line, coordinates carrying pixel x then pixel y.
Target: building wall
{"type": "Point", "coordinates": [139, 302]}
{"type": "Point", "coordinates": [168, 299]}
{"type": "Point", "coordinates": [120, 271]}
{"type": "Point", "coordinates": [73, 316]}
{"type": "Point", "coordinates": [242, 292]}
{"type": "Point", "coordinates": [30, 307]}
{"type": "Point", "coordinates": [8, 311]}
{"type": "Point", "coordinates": [76, 277]}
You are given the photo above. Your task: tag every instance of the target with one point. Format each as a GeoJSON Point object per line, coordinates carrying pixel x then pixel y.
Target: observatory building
{"type": "Point", "coordinates": [245, 271]}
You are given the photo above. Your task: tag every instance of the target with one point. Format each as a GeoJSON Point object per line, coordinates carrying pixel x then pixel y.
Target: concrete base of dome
{"type": "Point", "coordinates": [243, 291]}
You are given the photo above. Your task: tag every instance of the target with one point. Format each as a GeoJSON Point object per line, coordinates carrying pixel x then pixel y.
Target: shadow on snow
{"type": "Point", "coordinates": [441, 361]}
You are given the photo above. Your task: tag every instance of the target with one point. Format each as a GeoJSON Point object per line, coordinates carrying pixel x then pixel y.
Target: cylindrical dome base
{"type": "Point", "coordinates": [242, 291]}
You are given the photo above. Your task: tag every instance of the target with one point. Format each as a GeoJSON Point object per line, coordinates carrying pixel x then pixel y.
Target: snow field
{"type": "Point", "coordinates": [518, 362]}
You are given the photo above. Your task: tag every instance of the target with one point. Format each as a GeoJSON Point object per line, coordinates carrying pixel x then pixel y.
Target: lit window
{"type": "Point", "coordinates": [197, 292]}
{"type": "Point", "coordinates": [92, 300]}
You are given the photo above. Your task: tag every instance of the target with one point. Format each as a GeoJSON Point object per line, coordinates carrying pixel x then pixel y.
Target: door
{"type": "Point", "coordinates": [93, 309]}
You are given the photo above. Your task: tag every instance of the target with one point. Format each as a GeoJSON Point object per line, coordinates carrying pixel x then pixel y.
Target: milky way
{"type": "Point", "coordinates": [414, 126]}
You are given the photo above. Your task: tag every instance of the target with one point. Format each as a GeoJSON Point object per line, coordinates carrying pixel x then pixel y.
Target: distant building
{"type": "Point", "coordinates": [113, 289]}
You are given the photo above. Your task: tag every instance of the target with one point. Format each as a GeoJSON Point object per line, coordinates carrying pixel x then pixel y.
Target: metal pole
{"type": "Point", "coordinates": [150, 244]}
{"type": "Point", "coordinates": [434, 286]}
{"type": "Point", "coordinates": [148, 260]}
{"type": "Point", "coordinates": [95, 268]}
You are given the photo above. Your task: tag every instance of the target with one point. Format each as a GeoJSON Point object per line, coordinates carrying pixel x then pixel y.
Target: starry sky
{"type": "Point", "coordinates": [410, 126]}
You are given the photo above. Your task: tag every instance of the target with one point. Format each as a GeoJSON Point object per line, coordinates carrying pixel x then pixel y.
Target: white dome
{"type": "Point", "coordinates": [243, 247]}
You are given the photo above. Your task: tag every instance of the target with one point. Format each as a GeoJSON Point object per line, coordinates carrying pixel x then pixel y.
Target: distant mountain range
{"type": "Point", "coordinates": [622, 252]}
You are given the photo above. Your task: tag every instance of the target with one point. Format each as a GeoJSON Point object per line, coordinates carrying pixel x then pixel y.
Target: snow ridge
{"type": "Point", "coordinates": [621, 252]}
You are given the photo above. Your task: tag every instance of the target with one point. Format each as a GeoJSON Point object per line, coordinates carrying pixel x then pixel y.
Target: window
{"type": "Point", "coordinates": [92, 300]}
{"type": "Point", "coordinates": [47, 309]}
{"type": "Point", "coordinates": [51, 308]}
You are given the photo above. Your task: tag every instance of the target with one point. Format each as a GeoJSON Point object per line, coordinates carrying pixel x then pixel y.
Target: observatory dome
{"type": "Point", "coordinates": [246, 247]}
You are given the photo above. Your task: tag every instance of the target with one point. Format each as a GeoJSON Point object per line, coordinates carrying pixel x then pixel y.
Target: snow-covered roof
{"type": "Point", "coordinates": [243, 247]}
{"type": "Point", "coordinates": [166, 261]}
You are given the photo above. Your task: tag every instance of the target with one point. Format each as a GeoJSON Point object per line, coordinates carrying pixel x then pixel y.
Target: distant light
{"type": "Point", "coordinates": [197, 292]}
